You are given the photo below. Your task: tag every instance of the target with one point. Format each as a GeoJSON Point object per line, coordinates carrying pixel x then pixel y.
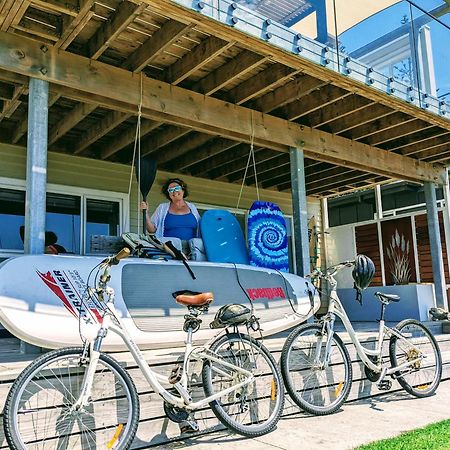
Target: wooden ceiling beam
{"type": "Point", "coordinates": [381, 125]}
{"type": "Point", "coordinates": [316, 100]}
{"type": "Point", "coordinates": [11, 12]}
{"type": "Point", "coordinates": [127, 138]}
{"type": "Point", "coordinates": [125, 13]}
{"type": "Point", "coordinates": [262, 82]}
{"type": "Point", "coordinates": [398, 145]}
{"type": "Point", "coordinates": [70, 120]}
{"type": "Point", "coordinates": [238, 66]}
{"type": "Point", "coordinates": [72, 26]}
{"type": "Point", "coordinates": [202, 169]}
{"type": "Point", "coordinates": [99, 129]}
{"type": "Point", "coordinates": [118, 89]}
{"type": "Point", "coordinates": [161, 138]}
{"type": "Point", "coordinates": [292, 91]}
{"type": "Point", "coordinates": [338, 109]}
{"type": "Point", "coordinates": [261, 169]}
{"type": "Point", "coordinates": [155, 45]}
{"type": "Point", "coordinates": [437, 154]}
{"type": "Point", "coordinates": [223, 172]}
{"type": "Point", "coordinates": [10, 106]}
{"type": "Point", "coordinates": [317, 188]}
{"type": "Point", "coordinates": [176, 150]}
{"type": "Point", "coordinates": [266, 47]}
{"type": "Point", "coordinates": [361, 117]}
{"type": "Point", "coordinates": [199, 56]}
{"type": "Point", "coordinates": [38, 29]}
{"type": "Point", "coordinates": [426, 144]}
{"type": "Point", "coordinates": [68, 7]}
{"type": "Point", "coordinates": [197, 156]}
{"type": "Point", "coordinates": [400, 130]}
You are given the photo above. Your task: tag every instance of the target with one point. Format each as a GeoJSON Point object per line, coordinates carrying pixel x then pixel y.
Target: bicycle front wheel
{"type": "Point", "coordinates": [418, 346]}
{"type": "Point", "coordinates": [38, 412]}
{"type": "Point", "coordinates": [253, 409]}
{"type": "Point", "coordinates": [317, 385]}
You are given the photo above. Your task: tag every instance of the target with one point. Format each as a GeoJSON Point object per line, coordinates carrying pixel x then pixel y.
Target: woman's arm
{"type": "Point", "coordinates": [151, 227]}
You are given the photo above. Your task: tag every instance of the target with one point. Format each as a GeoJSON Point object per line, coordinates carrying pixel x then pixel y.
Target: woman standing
{"type": "Point", "coordinates": [177, 218]}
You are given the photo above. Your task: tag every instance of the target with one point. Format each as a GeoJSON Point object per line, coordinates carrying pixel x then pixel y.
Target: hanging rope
{"type": "Point", "coordinates": [251, 156]}
{"type": "Point", "coordinates": [137, 147]}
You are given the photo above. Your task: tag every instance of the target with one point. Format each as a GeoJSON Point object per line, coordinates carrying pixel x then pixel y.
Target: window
{"type": "Point", "coordinates": [73, 214]}
{"type": "Point", "coordinates": [12, 217]}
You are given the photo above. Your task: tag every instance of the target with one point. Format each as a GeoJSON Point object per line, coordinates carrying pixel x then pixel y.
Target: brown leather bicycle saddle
{"type": "Point", "coordinates": [191, 298]}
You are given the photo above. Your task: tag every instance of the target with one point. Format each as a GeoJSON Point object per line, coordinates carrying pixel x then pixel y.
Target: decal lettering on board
{"type": "Point", "coordinates": [67, 286]}
{"type": "Point", "coordinates": [266, 293]}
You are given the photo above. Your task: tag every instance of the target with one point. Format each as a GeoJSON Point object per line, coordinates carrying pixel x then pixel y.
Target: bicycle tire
{"type": "Point", "coordinates": [424, 377]}
{"type": "Point", "coordinates": [255, 409]}
{"type": "Point", "coordinates": [55, 378]}
{"type": "Point", "coordinates": [316, 389]}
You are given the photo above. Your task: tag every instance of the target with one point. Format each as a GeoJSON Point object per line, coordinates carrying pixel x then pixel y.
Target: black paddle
{"type": "Point", "coordinates": [145, 174]}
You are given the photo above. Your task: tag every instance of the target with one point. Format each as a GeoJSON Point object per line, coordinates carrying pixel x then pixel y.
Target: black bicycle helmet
{"type": "Point", "coordinates": [232, 314]}
{"type": "Point", "coordinates": [363, 272]}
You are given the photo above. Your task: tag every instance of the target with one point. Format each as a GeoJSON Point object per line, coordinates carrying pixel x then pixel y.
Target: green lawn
{"type": "Point", "coordinates": [433, 437]}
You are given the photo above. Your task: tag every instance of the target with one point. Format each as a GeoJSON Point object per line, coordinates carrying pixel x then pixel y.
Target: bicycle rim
{"type": "Point", "coordinates": [419, 347]}
{"type": "Point", "coordinates": [39, 415]}
{"type": "Point", "coordinates": [317, 387]}
{"type": "Point", "coordinates": [251, 410]}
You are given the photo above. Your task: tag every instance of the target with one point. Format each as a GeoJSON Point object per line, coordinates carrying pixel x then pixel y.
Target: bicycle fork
{"type": "Point", "coordinates": [328, 330]}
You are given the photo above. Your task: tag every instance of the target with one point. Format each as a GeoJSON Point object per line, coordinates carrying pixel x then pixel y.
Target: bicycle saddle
{"type": "Point", "coordinates": [387, 298]}
{"type": "Point", "coordinates": [191, 298]}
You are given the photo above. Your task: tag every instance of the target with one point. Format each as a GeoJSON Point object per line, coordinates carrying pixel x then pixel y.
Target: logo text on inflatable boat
{"type": "Point", "coordinates": [64, 286]}
{"type": "Point", "coordinates": [265, 293]}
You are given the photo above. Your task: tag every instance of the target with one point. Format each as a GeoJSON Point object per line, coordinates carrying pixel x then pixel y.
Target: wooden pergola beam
{"type": "Point", "coordinates": [100, 129]}
{"type": "Point", "coordinates": [316, 100]}
{"type": "Point", "coordinates": [125, 13]}
{"type": "Point", "coordinates": [338, 109]}
{"type": "Point", "coordinates": [70, 120]}
{"type": "Point", "coordinates": [236, 67]}
{"type": "Point", "coordinates": [262, 82]}
{"type": "Point", "coordinates": [398, 131]}
{"type": "Point", "coordinates": [118, 89]}
{"type": "Point", "coordinates": [291, 91]}
{"type": "Point", "coordinates": [127, 138]}
{"type": "Point", "coordinates": [197, 156]}
{"type": "Point", "coordinates": [155, 44]}
{"type": "Point", "coordinates": [199, 56]}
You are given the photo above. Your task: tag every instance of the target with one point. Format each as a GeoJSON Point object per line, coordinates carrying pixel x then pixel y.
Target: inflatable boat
{"type": "Point", "coordinates": [44, 301]}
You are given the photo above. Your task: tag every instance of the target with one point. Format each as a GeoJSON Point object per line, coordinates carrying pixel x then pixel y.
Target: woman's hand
{"type": "Point", "coordinates": [143, 205]}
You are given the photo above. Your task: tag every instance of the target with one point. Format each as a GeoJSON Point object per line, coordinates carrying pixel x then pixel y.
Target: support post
{"type": "Point", "coordinates": [435, 245]}
{"type": "Point", "coordinates": [36, 181]}
{"type": "Point", "coordinates": [300, 211]}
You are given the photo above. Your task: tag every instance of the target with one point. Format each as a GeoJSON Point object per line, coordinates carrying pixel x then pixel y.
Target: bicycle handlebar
{"type": "Point", "coordinates": [330, 271]}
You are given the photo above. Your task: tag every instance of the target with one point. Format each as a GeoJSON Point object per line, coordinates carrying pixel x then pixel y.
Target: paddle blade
{"type": "Point", "coordinates": [145, 174]}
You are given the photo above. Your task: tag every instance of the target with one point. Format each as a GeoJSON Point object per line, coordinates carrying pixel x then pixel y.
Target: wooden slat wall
{"type": "Point", "coordinates": [423, 248]}
{"type": "Point", "coordinates": [366, 237]}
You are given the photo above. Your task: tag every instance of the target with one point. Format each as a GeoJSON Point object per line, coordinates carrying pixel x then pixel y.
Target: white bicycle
{"type": "Point", "coordinates": [317, 368]}
{"type": "Point", "coordinates": [81, 398]}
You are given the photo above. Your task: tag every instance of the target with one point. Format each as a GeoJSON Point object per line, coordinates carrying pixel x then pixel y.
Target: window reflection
{"type": "Point", "coordinates": [12, 217]}
{"type": "Point", "coordinates": [102, 217]}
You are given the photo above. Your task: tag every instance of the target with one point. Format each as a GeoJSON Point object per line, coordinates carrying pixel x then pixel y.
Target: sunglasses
{"type": "Point", "coordinates": [171, 190]}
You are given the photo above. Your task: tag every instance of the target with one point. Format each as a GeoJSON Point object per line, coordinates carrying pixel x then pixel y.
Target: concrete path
{"type": "Point", "coordinates": [357, 423]}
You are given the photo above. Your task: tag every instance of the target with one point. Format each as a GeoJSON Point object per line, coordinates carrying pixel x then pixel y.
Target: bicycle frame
{"type": "Point", "coordinates": [335, 308]}
{"type": "Point", "coordinates": [154, 379]}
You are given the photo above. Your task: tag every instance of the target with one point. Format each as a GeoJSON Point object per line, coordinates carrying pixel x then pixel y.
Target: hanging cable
{"type": "Point", "coordinates": [137, 147]}
{"type": "Point", "coordinates": [251, 155]}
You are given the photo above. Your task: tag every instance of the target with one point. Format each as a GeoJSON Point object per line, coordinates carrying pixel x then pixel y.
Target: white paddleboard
{"type": "Point", "coordinates": [43, 299]}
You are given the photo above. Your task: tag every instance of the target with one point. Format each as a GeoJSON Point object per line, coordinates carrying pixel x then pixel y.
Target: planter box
{"type": "Point", "coordinates": [415, 302]}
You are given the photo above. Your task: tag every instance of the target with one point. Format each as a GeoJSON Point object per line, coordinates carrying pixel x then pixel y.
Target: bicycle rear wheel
{"type": "Point", "coordinates": [418, 345]}
{"type": "Point", "coordinates": [38, 414]}
{"type": "Point", "coordinates": [254, 409]}
{"type": "Point", "coordinates": [316, 386]}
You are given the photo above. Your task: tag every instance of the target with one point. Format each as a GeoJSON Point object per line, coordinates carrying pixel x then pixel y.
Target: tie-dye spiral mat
{"type": "Point", "coordinates": [267, 237]}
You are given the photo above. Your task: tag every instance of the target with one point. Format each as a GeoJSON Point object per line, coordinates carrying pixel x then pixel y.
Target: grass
{"type": "Point", "coordinates": [433, 437]}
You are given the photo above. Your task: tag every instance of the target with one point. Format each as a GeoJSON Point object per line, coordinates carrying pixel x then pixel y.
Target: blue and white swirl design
{"type": "Point", "coordinates": [267, 237]}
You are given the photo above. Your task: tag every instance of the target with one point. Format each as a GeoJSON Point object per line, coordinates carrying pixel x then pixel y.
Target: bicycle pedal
{"type": "Point", "coordinates": [175, 375]}
{"type": "Point", "coordinates": [384, 385]}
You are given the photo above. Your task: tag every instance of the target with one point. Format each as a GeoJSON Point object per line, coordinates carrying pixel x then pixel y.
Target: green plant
{"type": "Point", "coordinates": [398, 253]}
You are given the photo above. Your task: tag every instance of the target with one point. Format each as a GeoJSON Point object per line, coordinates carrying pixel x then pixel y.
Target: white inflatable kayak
{"type": "Point", "coordinates": [41, 299]}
